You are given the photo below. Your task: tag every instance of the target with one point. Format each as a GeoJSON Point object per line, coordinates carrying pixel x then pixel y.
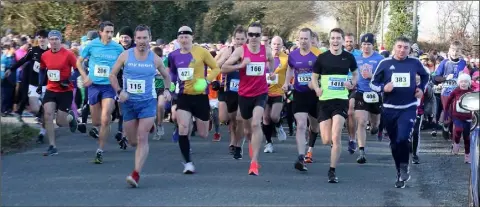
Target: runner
{"type": "Point", "coordinates": [30, 80]}
{"type": "Point", "coordinates": [331, 70]}
{"type": "Point", "coordinates": [271, 115]}
{"type": "Point", "coordinates": [253, 87]}
{"type": "Point", "coordinates": [395, 77]}
{"type": "Point", "coordinates": [101, 53]}
{"type": "Point", "coordinates": [56, 64]}
{"type": "Point", "coordinates": [351, 125]}
{"type": "Point", "coordinates": [449, 69]}
{"type": "Point", "coordinates": [367, 103]}
{"type": "Point", "coordinates": [138, 100]}
{"type": "Point", "coordinates": [300, 64]}
{"type": "Point", "coordinates": [189, 65]}
{"type": "Point", "coordinates": [159, 87]}
{"type": "Point", "coordinates": [228, 94]}
{"type": "Point", "coordinates": [126, 40]}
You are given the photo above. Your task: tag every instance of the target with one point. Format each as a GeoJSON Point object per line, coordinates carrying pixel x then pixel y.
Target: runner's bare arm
{"type": "Point", "coordinates": [314, 81]}
{"type": "Point", "coordinates": [161, 68]}
{"type": "Point", "coordinates": [289, 75]}
{"type": "Point", "coordinates": [229, 66]}
{"type": "Point", "coordinates": [221, 57]}
{"type": "Point", "coordinates": [271, 60]}
{"type": "Point", "coordinates": [354, 77]}
{"type": "Point", "coordinates": [116, 68]}
{"type": "Point", "coordinates": [210, 62]}
{"type": "Point", "coordinates": [317, 70]}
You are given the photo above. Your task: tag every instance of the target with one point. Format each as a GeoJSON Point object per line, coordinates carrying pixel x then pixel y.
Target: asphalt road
{"type": "Point", "coordinates": [71, 179]}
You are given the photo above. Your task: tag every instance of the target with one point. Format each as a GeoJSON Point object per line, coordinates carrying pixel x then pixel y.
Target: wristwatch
{"type": "Point", "coordinates": [119, 91]}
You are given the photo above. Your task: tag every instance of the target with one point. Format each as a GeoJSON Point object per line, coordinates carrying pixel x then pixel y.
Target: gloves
{"type": "Point", "coordinates": [215, 85]}
{"type": "Point", "coordinates": [39, 90]}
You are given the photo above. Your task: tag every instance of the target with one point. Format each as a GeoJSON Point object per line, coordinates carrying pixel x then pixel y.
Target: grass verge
{"type": "Point", "coordinates": [15, 137]}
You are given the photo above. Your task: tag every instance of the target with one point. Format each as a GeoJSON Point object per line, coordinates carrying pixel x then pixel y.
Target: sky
{"type": "Point", "coordinates": [428, 18]}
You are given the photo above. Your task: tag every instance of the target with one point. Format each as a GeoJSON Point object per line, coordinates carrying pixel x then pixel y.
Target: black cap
{"type": "Point", "coordinates": [126, 31]}
{"type": "Point", "coordinates": [369, 37]}
{"type": "Point", "coordinates": [92, 35]}
{"type": "Point", "coordinates": [42, 33]}
{"type": "Point", "coordinates": [160, 42]}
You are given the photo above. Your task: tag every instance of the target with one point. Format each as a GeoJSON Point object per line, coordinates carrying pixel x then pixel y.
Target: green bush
{"type": "Point", "coordinates": [16, 137]}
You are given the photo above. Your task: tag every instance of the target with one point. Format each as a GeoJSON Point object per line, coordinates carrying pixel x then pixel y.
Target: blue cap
{"type": "Point", "coordinates": [369, 37]}
{"type": "Point", "coordinates": [55, 33]}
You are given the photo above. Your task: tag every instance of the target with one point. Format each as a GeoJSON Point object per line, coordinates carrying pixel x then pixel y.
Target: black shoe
{"type": "Point", "coordinates": [93, 133]}
{"type": "Point", "coordinates": [374, 131]}
{"type": "Point", "coordinates": [231, 149]}
{"type": "Point", "coordinates": [73, 124]}
{"type": "Point", "coordinates": [415, 159]}
{"type": "Point", "coordinates": [98, 158]}
{"type": "Point", "coordinates": [51, 151]}
{"type": "Point", "coordinates": [238, 153]}
{"type": "Point", "coordinates": [300, 164]}
{"type": "Point", "coordinates": [123, 143]}
{"type": "Point", "coordinates": [361, 158]}
{"type": "Point", "coordinates": [399, 183]}
{"type": "Point", "coordinates": [40, 139]}
{"type": "Point", "coordinates": [332, 178]}
{"type": "Point", "coordinates": [82, 128]}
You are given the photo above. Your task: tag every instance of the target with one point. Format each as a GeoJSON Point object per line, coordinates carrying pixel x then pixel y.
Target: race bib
{"type": "Point", "coordinates": [336, 84]}
{"type": "Point", "coordinates": [185, 74]}
{"type": "Point", "coordinates": [272, 82]}
{"type": "Point", "coordinates": [401, 80]}
{"type": "Point", "coordinates": [53, 75]}
{"type": "Point", "coordinates": [101, 71]}
{"type": "Point", "coordinates": [450, 84]}
{"type": "Point", "coordinates": [256, 69]}
{"type": "Point", "coordinates": [460, 110]}
{"type": "Point", "coordinates": [370, 97]}
{"type": "Point", "coordinates": [36, 66]}
{"type": "Point", "coordinates": [3, 67]}
{"type": "Point", "coordinates": [304, 78]}
{"type": "Point", "coordinates": [135, 86]}
{"type": "Point", "coordinates": [234, 85]}
{"type": "Point", "coordinates": [437, 89]}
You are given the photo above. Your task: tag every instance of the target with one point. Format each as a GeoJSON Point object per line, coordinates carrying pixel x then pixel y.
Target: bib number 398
{"type": "Point", "coordinates": [255, 69]}
{"type": "Point", "coordinates": [401, 80]}
{"type": "Point", "coordinates": [53, 75]}
{"type": "Point", "coordinates": [370, 97]}
{"type": "Point", "coordinates": [135, 86]}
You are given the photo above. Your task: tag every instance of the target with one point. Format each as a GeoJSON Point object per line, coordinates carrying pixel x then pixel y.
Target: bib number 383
{"type": "Point", "coordinates": [255, 69]}
{"type": "Point", "coordinates": [135, 86]}
{"type": "Point", "coordinates": [370, 97]}
{"type": "Point", "coordinates": [401, 80]}
{"type": "Point", "coordinates": [53, 75]}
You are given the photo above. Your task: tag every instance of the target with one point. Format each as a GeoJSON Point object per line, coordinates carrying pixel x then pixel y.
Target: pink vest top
{"type": "Point", "coordinates": [253, 81]}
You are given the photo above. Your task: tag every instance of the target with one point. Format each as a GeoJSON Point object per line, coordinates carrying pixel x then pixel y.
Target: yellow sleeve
{"type": "Point", "coordinates": [316, 51]}
{"type": "Point", "coordinates": [212, 64]}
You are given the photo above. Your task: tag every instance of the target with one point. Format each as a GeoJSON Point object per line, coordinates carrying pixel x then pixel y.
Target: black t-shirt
{"type": "Point", "coordinates": [30, 71]}
{"type": "Point", "coordinates": [330, 64]}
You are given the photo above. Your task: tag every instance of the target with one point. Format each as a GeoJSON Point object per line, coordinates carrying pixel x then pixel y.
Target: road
{"type": "Point", "coordinates": [71, 178]}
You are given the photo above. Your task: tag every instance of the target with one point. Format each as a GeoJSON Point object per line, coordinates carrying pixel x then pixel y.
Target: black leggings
{"type": "Point", "coordinates": [416, 134]}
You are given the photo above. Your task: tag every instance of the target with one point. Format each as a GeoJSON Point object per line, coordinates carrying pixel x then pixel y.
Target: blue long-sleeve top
{"type": "Point", "coordinates": [402, 73]}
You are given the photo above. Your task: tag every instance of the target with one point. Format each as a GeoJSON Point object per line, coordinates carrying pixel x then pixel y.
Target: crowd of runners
{"type": "Point", "coordinates": [250, 84]}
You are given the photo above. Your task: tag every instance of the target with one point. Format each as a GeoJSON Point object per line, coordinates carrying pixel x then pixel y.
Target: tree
{"type": "Point", "coordinates": [368, 16]}
{"type": "Point", "coordinates": [460, 22]}
{"type": "Point", "coordinates": [401, 15]}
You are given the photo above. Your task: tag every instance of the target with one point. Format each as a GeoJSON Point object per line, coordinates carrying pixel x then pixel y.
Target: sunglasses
{"type": "Point", "coordinates": [251, 34]}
